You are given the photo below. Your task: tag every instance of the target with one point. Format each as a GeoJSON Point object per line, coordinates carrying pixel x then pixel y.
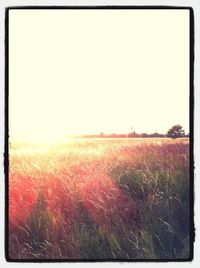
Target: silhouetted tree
{"type": "Point", "coordinates": [176, 131]}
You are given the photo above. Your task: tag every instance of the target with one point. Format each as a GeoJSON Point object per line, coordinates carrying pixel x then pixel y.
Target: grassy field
{"type": "Point", "coordinates": [99, 199]}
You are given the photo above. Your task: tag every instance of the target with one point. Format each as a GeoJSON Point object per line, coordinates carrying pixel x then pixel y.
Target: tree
{"type": "Point", "coordinates": [176, 131]}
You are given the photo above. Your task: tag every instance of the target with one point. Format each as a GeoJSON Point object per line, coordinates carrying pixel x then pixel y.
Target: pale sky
{"type": "Point", "coordinates": [87, 71]}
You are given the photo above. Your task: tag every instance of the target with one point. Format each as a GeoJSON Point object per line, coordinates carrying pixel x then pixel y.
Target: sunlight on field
{"type": "Point", "coordinates": [40, 138]}
{"type": "Point", "coordinates": [99, 198]}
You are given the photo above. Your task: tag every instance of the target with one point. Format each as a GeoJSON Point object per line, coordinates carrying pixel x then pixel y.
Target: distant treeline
{"type": "Point", "coordinates": [129, 135]}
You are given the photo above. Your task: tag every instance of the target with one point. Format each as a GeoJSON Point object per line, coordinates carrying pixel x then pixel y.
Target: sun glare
{"type": "Point", "coordinates": [39, 137]}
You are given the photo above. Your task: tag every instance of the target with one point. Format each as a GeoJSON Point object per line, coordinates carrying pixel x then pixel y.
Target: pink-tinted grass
{"type": "Point", "coordinates": [104, 201]}
{"type": "Point", "coordinates": [58, 198]}
{"type": "Point", "coordinates": [22, 198]}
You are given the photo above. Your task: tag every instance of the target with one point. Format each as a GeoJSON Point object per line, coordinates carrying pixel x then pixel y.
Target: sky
{"type": "Point", "coordinates": [92, 71]}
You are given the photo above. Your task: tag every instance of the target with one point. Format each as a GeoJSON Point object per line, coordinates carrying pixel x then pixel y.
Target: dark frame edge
{"type": "Point", "coordinates": [191, 104]}
{"type": "Point", "coordinates": [157, 7]}
{"type": "Point", "coordinates": [6, 142]}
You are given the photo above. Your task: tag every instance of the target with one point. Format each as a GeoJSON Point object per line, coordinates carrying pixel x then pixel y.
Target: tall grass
{"type": "Point", "coordinates": [108, 199]}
